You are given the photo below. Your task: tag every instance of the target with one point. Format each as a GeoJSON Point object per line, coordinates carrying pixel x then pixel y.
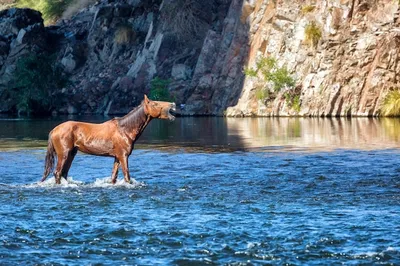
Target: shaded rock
{"type": "Point", "coordinates": [14, 19]}
{"type": "Point", "coordinates": [180, 71]}
{"type": "Point", "coordinates": [69, 63]}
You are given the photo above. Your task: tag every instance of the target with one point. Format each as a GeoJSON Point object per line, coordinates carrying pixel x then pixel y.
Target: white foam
{"type": "Point", "coordinates": [51, 182]}
{"type": "Point", "coordinates": [99, 182]}
{"type": "Point", "coordinates": [106, 183]}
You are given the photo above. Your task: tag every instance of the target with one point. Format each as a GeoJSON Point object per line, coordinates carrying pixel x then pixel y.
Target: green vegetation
{"type": "Point", "coordinates": [307, 9]}
{"type": "Point", "coordinates": [36, 78]}
{"type": "Point", "coordinates": [50, 9]}
{"type": "Point", "coordinates": [262, 94]}
{"type": "Point", "coordinates": [159, 90]}
{"type": "Point", "coordinates": [281, 78]}
{"type": "Point", "coordinates": [296, 103]}
{"type": "Point", "coordinates": [391, 104]}
{"type": "Point", "coordinates": [267, 66]}
{"type": "Point", "coordinates": [250, 72]}
{"type": "Point", "coordinates": [293, 100]}
{"type": "Point", "coordinates": [124, 34]}
{"type": "Point", "coordinates": [313, 33]}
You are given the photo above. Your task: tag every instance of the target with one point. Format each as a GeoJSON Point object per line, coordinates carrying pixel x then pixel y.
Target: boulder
{"type": "Point", "coordinates": [14, 19]}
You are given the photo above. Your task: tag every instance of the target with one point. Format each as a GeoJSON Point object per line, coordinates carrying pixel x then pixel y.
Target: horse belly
{"type": "Point", "coordinates": [96, 147]}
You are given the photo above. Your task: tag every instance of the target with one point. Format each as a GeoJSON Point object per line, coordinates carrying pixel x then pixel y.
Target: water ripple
{"type": "Point", "coordinates": [338, 207]}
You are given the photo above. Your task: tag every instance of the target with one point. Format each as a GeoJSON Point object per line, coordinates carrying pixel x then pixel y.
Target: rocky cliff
{"type": "Point", "coordinates": [111, 51]}
{"type": "Point", "coordinates": [347, 72]}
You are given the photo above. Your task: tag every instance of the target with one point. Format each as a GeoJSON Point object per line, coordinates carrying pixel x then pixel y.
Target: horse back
{"type": "Point", "coordinates": [87, 137]}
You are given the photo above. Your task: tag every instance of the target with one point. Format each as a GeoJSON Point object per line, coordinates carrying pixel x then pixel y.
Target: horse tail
{"type": "Point", "coordinates": [49, 161]}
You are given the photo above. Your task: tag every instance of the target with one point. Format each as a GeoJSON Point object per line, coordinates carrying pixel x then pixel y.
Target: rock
{"type": "Point", "coordinates": [69, 63]}
{"type": "Point", "coordinates": [14, 19]}
{"type": "Point", "coordinates": [180, 71]}
{"type": "Point", "coordinates": [123, 10]}
{"type": "Point", "coordinates": [348, 73]}
{"type": "Point", "coordinates": [71, 110]}
{"type": "Point", "coordinates": [4, 46]}
{"type": "Point", "coordinates": [20, 36]}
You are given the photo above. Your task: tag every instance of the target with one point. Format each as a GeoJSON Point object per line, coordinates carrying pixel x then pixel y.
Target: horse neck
{"type": "Point", "coordinates": [135, 121]}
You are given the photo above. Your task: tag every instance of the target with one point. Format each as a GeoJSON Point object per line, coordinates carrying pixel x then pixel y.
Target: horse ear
{"type": "Point", "coordinates": [146, 100]}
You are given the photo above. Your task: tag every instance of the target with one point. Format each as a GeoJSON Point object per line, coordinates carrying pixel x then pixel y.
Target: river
{"type": "Point", "coordinates": [208, 190]}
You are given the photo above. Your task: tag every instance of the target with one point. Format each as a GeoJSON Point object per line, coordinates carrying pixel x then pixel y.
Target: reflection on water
{"type": "Point", "coordinates": [317, 133]}
{"type": "Point", "coordinates": [218, 134]}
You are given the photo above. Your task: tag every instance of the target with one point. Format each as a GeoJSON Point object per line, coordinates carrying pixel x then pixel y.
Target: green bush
{"type": "Point", "coordinates": [313, 33]}
{"type": "Point", "coordinates": [159, 90]}
{"type": "Point", "coordinates": [279, 76]}
{"type": "Point", "coordinates": [250, 72]}
{"type": "Point", "coordinates": [51, 9]}
{"type": "Point", "coordinates": [391, 104]}
{"type": "Point", "coordinates": [296, 103]}
{"type": "Point", "coordinates": [262, 94]}
{"type": "Point", "coordinates": [307, 9]}
{"type": "Point", "coordinates": [124, 34]}
{"type": "Point", "coordinates": [293, 100]}
{"type": "Point", "coordinates": [35, 79]}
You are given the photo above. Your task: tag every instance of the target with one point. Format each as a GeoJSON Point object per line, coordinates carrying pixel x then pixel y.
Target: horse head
{"type": "Point", "coordinates": [159, 109]}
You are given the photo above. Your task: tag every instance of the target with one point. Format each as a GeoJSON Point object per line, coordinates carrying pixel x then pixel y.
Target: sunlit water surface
{"type": "Point", "coordinates": [209, 191]}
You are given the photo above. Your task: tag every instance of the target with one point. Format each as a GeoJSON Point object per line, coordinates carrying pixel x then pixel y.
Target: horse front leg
{"type": "Point", "coordinates": [114, 174]}
{"type": "Point", "coordinates": [124, 165]}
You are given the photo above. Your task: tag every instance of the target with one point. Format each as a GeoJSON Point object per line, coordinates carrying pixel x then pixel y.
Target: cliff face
{"type": "Point", "coordinates": [113, 50]}
{"type": "Point", "coordinates": [348, 72]}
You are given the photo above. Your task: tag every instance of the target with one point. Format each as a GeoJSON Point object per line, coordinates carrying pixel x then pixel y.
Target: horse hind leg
{"type": "Point", "coordinates": [61, 161]}
{"type": "Point", "coordinates": [68, 162]}
{"type": "Point", "coordinates": [114, 174]}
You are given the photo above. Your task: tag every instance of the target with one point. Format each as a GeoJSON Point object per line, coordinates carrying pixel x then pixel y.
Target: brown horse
{"type": "Point", "coordinates": [114, 138]}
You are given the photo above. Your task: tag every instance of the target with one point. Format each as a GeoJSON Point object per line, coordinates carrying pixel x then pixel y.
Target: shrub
{"type": "Point", "coordinates": [296, 103]}
{"type": "Point", "coordinates": [250, 72]}
{"type": "Point", "coordinates": [313, 34]}
{"type": "Point", "coordinates": [124, 34]}
{"type": "Point", "coordinates": [35, 79]}
{"type": "Point", "coordinates": [391, 104]}
{"type": "Point", "coordinates": [183, 17]}
{"type": "Point", "coordinates": [262, 94]}
{"type": "Point", "coordinates": [292, 98]}
{"type": "Point", "coordinates": [307, 9]}
{"type": "Point", "coordinates": [279, 76]}
{"type": "Point", "coordinates": [50, 9]}
{"type": "Point", "coordinates": [266, 63]}
{"type": "Point", "coordinates": [159, 90]}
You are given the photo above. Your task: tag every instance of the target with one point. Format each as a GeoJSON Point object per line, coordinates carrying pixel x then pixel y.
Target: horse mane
{"type": "Point", "coordinates": [133, 119]}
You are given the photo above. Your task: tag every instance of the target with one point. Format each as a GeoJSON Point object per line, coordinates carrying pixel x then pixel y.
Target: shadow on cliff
{"type": "Point", "coordinates": [218, 76]}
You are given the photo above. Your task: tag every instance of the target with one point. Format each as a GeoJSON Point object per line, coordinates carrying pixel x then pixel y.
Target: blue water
{"type": "Point", "coordinates": [209, 205]}
{"type": "Point", "coordinates": [204, 208]}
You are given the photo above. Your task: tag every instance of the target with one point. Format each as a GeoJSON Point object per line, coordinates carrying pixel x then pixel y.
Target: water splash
{"type": "Point", "coordinates": [51, 183]}
{"type": "Point", "coordinates": [104, 182]}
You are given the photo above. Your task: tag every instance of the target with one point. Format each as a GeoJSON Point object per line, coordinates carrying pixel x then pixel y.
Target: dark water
{"type": "Point", "coordinates": [209, 191]}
